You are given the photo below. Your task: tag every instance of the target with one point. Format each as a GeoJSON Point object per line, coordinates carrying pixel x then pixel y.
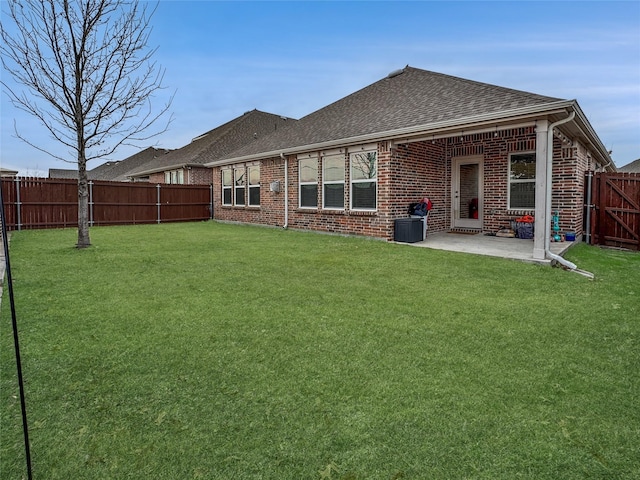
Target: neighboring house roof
{"type": "Point", "coordinates": [214, 144]}
{"type": "Point", "coordinates": [633, 167]}
{"type": "Point", "coordinates": [63, 173]}
{"type": "Point", "coordinates": [119, 171]}
{"type": "Point", "coordinates": [7, 172]}
{"type": "Point", "coordinates": [113, 171]}
{"type": "Point", "coordinates": [407, 102]}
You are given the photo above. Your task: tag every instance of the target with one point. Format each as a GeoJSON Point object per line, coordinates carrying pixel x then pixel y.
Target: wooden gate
{"type": "Point", "coordinates": [613, 209]}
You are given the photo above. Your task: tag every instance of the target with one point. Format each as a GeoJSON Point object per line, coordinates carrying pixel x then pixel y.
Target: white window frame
{"type": "Point", "coordinates": [354, 180]}
{"type": "Point", "coordinates": [243, 186]}
{"type": "Point", "coordinates": [301, 183]}
{"type": "Point", "coordinates": [511, 181]}
{"type": "Point", "coordinates": [228, 187]}
{"type": "Point", "coordinates": [330, 155]}
{"type": "Point", "coordinates": [252, 186]}
{"type": "Point", "coordinates": [174, 177]}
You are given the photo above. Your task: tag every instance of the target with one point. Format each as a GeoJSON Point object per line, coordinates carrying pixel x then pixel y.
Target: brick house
{"type": "Point", "coordinates": [481, 153]}
{"type": "Point", "coordinates": [186, 165]}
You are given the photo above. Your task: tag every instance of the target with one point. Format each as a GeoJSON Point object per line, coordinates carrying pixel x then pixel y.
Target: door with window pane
{"type": "Point", "coordinates": [467, 188]}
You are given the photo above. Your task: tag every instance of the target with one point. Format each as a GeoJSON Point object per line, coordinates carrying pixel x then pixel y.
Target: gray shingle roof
{"type": "Point", "coordinates": [633, 167]}
{"type": "Point", "coordinates": [245, 129]}
{"type": "Point", "coordinates": [409, 98]}
{"type": "Point", "coordinates": [63, 173]}
{"type": "Point", "coordinates": [119, 171]}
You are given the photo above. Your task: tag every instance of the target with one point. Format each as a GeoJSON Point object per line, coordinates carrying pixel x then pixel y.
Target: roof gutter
{"type": "Point", "coordinates": [456, 124]}
{"type": "Point", "coordinates": [164, 169]}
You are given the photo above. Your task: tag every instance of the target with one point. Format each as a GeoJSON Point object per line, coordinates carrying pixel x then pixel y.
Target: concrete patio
{"type": "Point", "coordinates": [480, 244]}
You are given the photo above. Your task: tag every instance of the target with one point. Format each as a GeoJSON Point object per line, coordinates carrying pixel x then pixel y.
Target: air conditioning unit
{"type": "Point", "coordinates": [274, 186]}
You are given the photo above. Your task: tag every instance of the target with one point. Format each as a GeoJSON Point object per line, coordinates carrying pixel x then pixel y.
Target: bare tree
{"type": "Point", "coordinates": [90, 76]}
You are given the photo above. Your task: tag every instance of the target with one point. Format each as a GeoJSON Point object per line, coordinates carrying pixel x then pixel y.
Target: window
{"type": "Point", "coordinates": [175, 177]}
{"type": "Point", "coordinates": [364, 180]}
{"type": "Point", "coordinates": [239, 185]}
{"type": "Point", "coordinates": [254, 185]}
{"type": "Point", "coordinates": [333, 181]}
{"type": "Point", "coordinates": [308, 173]}
{"type": "Point", "coordinates": [522, 181]}
{"type": "Point", "coordinates": [227, 187]}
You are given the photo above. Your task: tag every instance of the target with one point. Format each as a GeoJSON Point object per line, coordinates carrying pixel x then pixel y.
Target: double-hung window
{"type": "Point", "coordinates": [239, 182]}
{"type": "Point", "coordinates": [227, 187]}
{"type": "Point", "coordinates": [364, 180]}
{"type": "Point", "coordinates": [308, 176]}
{"type": "Point", "coordinates": [333, 181]}
{"type": "Point", "coordinates": [522, 181]}
{"type": "Point", "coordinates": [254, 185]}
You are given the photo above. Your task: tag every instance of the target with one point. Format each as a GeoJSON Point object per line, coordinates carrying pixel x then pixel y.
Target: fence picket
{"type": "Point", "coordinates": [33, 203]}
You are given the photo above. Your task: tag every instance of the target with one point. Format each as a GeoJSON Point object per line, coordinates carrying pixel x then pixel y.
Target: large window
{"type": "Point", "coordinates": [333, 181]}
{"type": "Point", "coordinates": [364, 180]}
{"type": "Point", "coordinates": [175, 177]}
{"type": "Point", "coordinates": [227, 187]}
{"type": "Point", "coordinates": [308, 173]}
{"type": "Point", "coordinates": [239, 181]}
{"type": "Point", "coordinates": [254, 185]}
{"type": "Point", "coordinates": [522, 181]}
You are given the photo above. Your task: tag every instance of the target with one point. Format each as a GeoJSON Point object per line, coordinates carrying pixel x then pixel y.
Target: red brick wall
{"type": "Point", "coordinates": [409, 172]}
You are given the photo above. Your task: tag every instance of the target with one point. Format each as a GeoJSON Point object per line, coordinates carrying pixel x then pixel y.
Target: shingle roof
{"type": "Point", "coordinates": [119, 171]}
{"type": "Point", "coordinates": [245, 129]}
{"type": "Point", "coordinates": [406, 98]}
{"type": "Point", "coordinates": [62, 173]}
{"type": "Point", "coordinates": [631, 167]}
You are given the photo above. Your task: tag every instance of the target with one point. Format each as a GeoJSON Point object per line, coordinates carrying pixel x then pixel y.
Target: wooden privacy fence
{"type": "Point", "coordinates": [32, 203]}
{"type": "Point", "coordinates": [612, 214]}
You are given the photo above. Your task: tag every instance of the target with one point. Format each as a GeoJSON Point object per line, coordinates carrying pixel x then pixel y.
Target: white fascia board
{"type": "Point", "coordinates": [404, 133]}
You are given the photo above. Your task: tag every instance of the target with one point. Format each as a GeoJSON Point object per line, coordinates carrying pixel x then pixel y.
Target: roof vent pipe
{"type": "Point", "coordinates": [395, 73]}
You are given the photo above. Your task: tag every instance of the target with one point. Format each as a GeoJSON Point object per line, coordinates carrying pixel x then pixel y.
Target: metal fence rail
{"type": "Point", "coordinates": [34, 203]}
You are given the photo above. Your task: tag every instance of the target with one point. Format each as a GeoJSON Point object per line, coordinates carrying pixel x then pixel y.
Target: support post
{"type": "Point", "coordinates": [542, 127]}
{"type": "Point", "coordinates": [91, 203]}
{"type": "Point", "coordinates": [158, 200]}
{"type": "Point", "coordinates": [18, 209]}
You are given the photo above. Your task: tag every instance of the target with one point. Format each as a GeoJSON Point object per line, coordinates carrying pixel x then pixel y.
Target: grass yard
{"type": "Point", "coordinates": [216, 351]}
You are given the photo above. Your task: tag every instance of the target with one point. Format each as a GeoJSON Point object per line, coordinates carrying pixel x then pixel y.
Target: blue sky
{"type": "Point", "coordinates": [292, 58]}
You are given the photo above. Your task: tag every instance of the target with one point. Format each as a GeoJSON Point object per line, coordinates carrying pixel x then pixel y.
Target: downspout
{"type": "Point", "coordinates": [286, 190]}
{"type": "Point", "coordinates": [547, 228]}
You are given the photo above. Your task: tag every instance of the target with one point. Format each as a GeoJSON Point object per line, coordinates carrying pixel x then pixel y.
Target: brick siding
{"type": "Point", "coordinates": [409, 172]}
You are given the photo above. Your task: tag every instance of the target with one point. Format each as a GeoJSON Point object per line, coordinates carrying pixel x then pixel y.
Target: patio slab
{"type": "Point", "coordinates": [480, 244]}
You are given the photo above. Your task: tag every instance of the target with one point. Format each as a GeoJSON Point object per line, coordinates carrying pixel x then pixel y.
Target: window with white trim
{"type": "Point", "coordinates": [364, 180]}
{"type": "Point", "coordinates": [333, 182]}
{"type": "Point", "coordinates": [522, 181]}
{"type": "Point", "coordinates": [174, 177]}
{"type": "Point", "coordinates": [227, 187]}
{"type": "Point", "coordinates": [253, 172]}
{"type": "Point", "coordinates": [239, 181]}
{"type": "Point", "coordinates": [308, 177]}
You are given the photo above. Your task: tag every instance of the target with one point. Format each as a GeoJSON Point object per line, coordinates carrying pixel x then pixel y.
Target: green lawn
{"type": "Point", "coordinates": [219, 351]}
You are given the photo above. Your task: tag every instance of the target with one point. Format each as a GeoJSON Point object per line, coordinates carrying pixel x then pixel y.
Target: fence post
{"type": "Point", "coordinates": [18, 222]}
{"type": "Point", "coordinates": [91, 203]}
{"type": "Point", "coordinates": [158, 202]}
{"type": "Point", "coordinates": [211, 201]}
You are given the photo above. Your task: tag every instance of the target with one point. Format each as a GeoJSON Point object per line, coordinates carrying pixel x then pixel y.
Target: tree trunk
{"type": "Point", "coordinates": [83, 204]}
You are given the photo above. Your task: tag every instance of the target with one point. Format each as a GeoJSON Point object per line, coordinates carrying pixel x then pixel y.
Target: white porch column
{"type": "Point", "coordinates": [542, 127]}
